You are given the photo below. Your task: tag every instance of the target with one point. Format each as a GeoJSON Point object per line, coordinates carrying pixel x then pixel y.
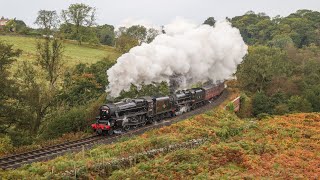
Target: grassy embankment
{"type": "Point", "coordinates": [73, 53]}
{"type": "Point", "coordinates": [279, 147]}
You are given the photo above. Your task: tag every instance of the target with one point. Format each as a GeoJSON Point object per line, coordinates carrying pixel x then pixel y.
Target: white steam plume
{"type": "Point", "coordinates": [195, 53]}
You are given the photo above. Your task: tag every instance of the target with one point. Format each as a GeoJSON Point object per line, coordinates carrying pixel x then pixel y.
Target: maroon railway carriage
{"type": "Point", "coordinates": [211, 92]}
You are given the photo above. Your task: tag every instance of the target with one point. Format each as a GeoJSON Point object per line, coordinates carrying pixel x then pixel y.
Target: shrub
{"type": "Point", "coordinates": [20, 138]}
{"type": "Point", "coordinates": [262, 116]}
{"type": "Point", "coordinates": [230, 107]}
{"type": "Point", "coordinates": [299, 104]}
{"type": "Point", "coordinates": [261, 104]}
{"type": "Point", "coordinates": [281, 109]}
{"type": "Point", "coordinates": [5, 144]}
{"type": "Point", "coordinates": [71, 121]}
{"type": "Point", "coordinates": [245, 107]}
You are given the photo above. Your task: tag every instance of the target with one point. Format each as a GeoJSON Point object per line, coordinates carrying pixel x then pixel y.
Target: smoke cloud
{"type": "Point", "coordinates": [194, 53]}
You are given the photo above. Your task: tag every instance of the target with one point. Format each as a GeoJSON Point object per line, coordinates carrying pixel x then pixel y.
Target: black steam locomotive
{"type": "Point", "coordinates": [132, 113]}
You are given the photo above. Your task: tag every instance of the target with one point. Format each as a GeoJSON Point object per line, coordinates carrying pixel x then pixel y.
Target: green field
{"type": "Point", "coordinates": [73, 53]}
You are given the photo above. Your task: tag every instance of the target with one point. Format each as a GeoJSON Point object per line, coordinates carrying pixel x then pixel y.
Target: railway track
{"type": "Point", "coordinates": [46, 153]}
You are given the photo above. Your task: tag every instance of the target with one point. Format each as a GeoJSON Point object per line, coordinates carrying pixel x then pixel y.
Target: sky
{"type": "Point", "coordinates": [160, 12]}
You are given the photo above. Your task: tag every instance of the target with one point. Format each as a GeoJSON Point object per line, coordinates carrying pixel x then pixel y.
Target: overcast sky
{"type": "Point", "coordinates": [158, 12]}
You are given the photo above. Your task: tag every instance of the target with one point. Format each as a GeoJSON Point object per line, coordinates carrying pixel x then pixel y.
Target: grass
{"type": "Point", "coordinates": [280, 147]}
{"type": "Point", "coordinates": [73, 53]}
{"type": "Point", "coordinates": [180, 132]}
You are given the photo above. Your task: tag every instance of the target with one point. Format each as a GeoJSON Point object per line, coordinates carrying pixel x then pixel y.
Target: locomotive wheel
{"type": "Point", "coordinates": [110, 132]}
{"type": "Point", "coordinates": [152, 120]}
{"type": "Point", "coordinates": [99, 131]}
{"type": "Point", "coordinates": [126, 127]}
{"type": "Point", "coordinates": [144, 123]}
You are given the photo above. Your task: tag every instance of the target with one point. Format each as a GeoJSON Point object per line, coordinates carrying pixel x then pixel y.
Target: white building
{"type": "Point", "coordinates": [3, 21]}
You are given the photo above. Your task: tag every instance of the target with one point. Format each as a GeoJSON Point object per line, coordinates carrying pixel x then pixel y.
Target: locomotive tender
{"type": "Point", "coordinates": [132, 113]}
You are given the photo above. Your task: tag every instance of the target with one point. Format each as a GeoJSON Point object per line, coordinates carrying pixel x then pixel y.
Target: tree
{"type": "Point", "coordinates": [210, 21]}
{"type": "Point", "coordinates": [106, 34]}
{"type": "Point", "coordinates": [80, 15]}
{"type": "Point", "coordinates": [47, 20]}
{"type": "Point", "coordinates": [312, 94]}
{"type": "Point", "coordinates": [302, 27]}
{"type": "Point", "coordinates": [8, 88]}
{"type": "Point", "coordinates": [21, 27]}
{"type": "Point", "coordinates": [7, 56]}
{"type": "Point", "coordinates": [66, 30]}
{"type": "Point", "coordinates": [124, 43]}
{"type": "Point", "coordinates": [254, 28]}
{"type": "Point", "coordinates": [49, 57]}
{"type": "Point", "coordinates": [299, 104]}
{"type": "Point", "coordinates": [261, 104]}
{"type": "Point", "coordinates": [85, 83]}
{"type": "Point", "coordinates": [152, 33]}
{"type": "Point", "coordinates": [10, 26]}
{"type": "Point", "coordinates": [260, 66]}
{"type": "Point", "coordinates": [281, 41]}
{"type": "Point", "coordinates": [133, 36]}
{"type": "Point", "coordinates": [35, 96]}
{"type": "Point", "coordinates": [89, 34]}
{"type": "Point", "coordinates": [137, 32]}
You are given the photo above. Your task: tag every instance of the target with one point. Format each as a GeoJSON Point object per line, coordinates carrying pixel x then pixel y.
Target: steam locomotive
{"type": "Point", "coordinates": [132, 113]}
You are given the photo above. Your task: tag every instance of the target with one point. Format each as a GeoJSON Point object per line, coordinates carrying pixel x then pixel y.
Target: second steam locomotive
{"type": "Point", "coordinates": [132, 113]}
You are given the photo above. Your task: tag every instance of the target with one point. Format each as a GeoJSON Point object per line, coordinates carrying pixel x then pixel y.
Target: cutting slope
{"type": "Point", "coordinates": [211, 145]}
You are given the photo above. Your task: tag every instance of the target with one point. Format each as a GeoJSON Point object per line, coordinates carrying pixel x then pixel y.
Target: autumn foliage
{"type": "Point", "coordinates": [281, 147]}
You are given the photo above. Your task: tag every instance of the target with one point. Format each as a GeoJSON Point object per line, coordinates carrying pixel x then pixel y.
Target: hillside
{"type": "Point", "coordinates": [73, 52]}
{"type": "Point", "coordinates": [211, 145]}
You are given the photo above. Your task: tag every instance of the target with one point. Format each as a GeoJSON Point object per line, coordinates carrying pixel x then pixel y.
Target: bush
{"type": "Point", "coordinates": [261, 104]}
{"type": "Point", "coordinates": [299, 104]}
{"type": "Point", "coordinates": [71, 121]}
{"type": "Point", "coordinates": [5, 144]}
{"type": "Point", "coordinates": [262, 116]}
{"type": "Point", "coordinates": [230, 107]}
{"type": "Point", "coordinates": [21, 138]}
{"type": "Point", "coordinates": [245, 107]}
{"type": "Point", "coordinates": [313, 96]}
{"type": "Point", "coordinates": [281, 109]}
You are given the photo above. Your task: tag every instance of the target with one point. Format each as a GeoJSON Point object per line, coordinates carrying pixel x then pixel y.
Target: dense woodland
{"type": "Point", "coordinates": [44, 100]}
